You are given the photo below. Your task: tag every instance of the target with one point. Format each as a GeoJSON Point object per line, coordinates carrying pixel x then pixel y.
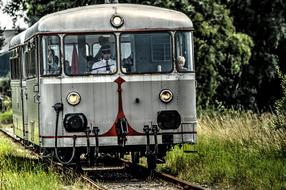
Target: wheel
{"type": "Point", "coordinates": [121, 155]}
{"type": "Point", "coordinates": [151, 161]}
{"type": "Point", "coordinates": [135, 157]}
{"type": "Point", "coordinates": [64, 154]}
{"type": "Point", "coordinates": [91, 156]}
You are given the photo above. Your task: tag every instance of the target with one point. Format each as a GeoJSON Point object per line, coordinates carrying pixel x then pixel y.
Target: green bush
{"type": "Point", "coordinates": [5, 86]}
{"type": "Point", "coordinates": [6, 103]}
{"type": "Point", "coordinates": [6, 117]}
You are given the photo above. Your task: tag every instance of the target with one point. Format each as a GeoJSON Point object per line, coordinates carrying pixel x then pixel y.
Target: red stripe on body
{"type": "Point", "coordinates": [120, 114]}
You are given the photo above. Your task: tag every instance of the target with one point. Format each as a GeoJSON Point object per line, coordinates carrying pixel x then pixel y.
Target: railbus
{"type": "Point", "coordinates": [111, 78]}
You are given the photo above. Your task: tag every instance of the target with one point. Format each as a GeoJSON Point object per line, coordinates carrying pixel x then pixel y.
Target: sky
{"type": "Point", "coordinates": [6, 20]}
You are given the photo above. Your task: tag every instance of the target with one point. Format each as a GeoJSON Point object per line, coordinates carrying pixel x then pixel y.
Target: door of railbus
{"type": "Point", "coordinates": [31, 91]}
{"type": "Point", "coordinates": [23, 95]}
{"type": "Point", "coordinates": [15, 61]}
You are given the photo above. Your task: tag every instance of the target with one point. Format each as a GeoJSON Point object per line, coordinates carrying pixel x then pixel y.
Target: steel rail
{"type": "Point", "coordinates": [91, 182]}
{"type": "Point", "coordinates": [182, 183]}
{"type": "Point", "coordinates": [166, 177]}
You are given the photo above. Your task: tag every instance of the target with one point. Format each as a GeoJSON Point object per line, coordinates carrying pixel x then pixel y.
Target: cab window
{"type": "Point", "coordinates": [184, 52]}
{"type": "Point", "coordinates": [78, 60]}
{"type": "Point", "coordinates": [50, 55]}
{"type": "Point", "coordinates": [146, 52]}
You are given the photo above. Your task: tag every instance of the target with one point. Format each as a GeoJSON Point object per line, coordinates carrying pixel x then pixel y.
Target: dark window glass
{"type": "Point", "coordinates": [50, 64]}
{"type": "Point", "coordinates": [13, 69]}
{"type": "Point", "coordinates": [146, 53]}
{"type": "Point", "coordinates": [15, 64]}
{"type": "Point", "coordinates": [30, 59]}
{"type": "Point", "coordinates": [79, 60]}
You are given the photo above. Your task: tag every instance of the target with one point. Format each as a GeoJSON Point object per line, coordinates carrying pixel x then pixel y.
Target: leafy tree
{"type": "Point", "coordinates": [1, 31]}
{"type": "Point", "coordinates": [1, 34]}
{"type": "Point", "coordinates": [220, 50]}
{"type": "Point", "coordinates": [265, 22]}
{"type": "Point", "coordinates": [1, 38]}
{"type": "Point", "coordinates": [35, 9]}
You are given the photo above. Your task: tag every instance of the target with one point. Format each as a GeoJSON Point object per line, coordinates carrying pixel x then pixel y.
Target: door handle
{"type": "Point", "coordinates": [36, 98]}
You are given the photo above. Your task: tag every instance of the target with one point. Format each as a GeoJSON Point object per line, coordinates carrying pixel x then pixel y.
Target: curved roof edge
{"type": "Point", "coordinates": [96, 18]}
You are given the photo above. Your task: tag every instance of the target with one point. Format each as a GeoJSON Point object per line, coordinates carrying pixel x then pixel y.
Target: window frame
{"type": "Point", "coordinates": [191, 53]}
{"type": "Point", "coordinates": [14, 61]}
{"type": "Point", "coordinates": [169, 32]}
{"type": "Point", "coordinates": [31, 58]}
{"type": "Point", "coordinates": [42, 74]}
{"type": "Point", "coordinates": [91, 52]}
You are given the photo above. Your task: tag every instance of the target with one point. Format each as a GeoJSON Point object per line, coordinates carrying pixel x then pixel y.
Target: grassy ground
{"type": "Point", "coordinates": [236, 151]}
{"type": "Point", "coordinates": [20, 170]}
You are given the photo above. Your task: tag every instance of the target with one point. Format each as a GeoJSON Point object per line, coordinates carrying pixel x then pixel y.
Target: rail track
{"type": "Point", "coordinates": [129, 176]}
{"type": "Point", "coordinates": [119, 174]}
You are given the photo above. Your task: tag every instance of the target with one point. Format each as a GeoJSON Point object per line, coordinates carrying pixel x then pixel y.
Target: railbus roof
{"type": "Point", "coordinates": [96, 18]}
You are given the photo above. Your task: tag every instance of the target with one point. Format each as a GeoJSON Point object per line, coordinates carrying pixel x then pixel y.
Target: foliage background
{"type": "Point", "coordinates": [1, 38]}
{"type": "Point", "coordinates": [240, 63]}
{"type": "Point", "coordinates": [239, 44]}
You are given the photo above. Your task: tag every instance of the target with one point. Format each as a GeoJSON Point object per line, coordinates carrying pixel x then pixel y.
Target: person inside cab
{"type": "Point", "coordinates": [53, 62]}
{"type": "Point", "coordinates": [181, 61]}
{"type": "Point", "coordinates": [127, 64]}
{"type": "Point", "coordinates": [106, 64]}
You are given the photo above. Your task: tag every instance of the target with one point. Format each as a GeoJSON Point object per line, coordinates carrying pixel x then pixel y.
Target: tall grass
{"type": "Point", "coordinates": [250, 130]}
{"type": "Point", "coordinates": [235, 151]}
{"type": "Point", "coordinates": [20, 170]}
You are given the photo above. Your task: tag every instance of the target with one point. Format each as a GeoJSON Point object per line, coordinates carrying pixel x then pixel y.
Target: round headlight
{"type": "Point", "coordinates": [73, 98]}
{"type": "Point", "coordinates": [116, 21]}
{"type": "Point", "coordinates": [166, 96]}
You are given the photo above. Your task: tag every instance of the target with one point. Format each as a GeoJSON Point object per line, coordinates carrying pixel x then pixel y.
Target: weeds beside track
{"type": "Point", "coordinates": [235, 151]}
{"type": "Point", "coordinates": [37, 174]}
{"type": "Point", "coordinates": [20, 169]}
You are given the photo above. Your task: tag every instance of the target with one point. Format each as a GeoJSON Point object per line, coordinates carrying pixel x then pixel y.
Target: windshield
{"type": "Point", "coordinates": [184, 52]}
{"type": "Point", "coordinates": [89, 54]}
{"type": "Point", "coordinates": [146, 53]}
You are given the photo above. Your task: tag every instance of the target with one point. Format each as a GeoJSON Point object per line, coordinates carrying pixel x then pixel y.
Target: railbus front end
{"type": "Point", "coordinates": [108, 79]}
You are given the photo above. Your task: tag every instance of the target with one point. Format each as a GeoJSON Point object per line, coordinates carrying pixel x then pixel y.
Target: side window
{"type": "Point", "coordinates": [15, 65]}
{"type": "Point", "coordinates": [5, 65]}
{"type": "Point", "coordinates": [30, 58]}
{"type": "Point", "coordinates": [184, 52]}
{"type": "Point", "coordinates": [50, 62]}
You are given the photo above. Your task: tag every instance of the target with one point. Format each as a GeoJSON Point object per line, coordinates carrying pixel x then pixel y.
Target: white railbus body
{"type": "Point", "coordinates": [144, 100]}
